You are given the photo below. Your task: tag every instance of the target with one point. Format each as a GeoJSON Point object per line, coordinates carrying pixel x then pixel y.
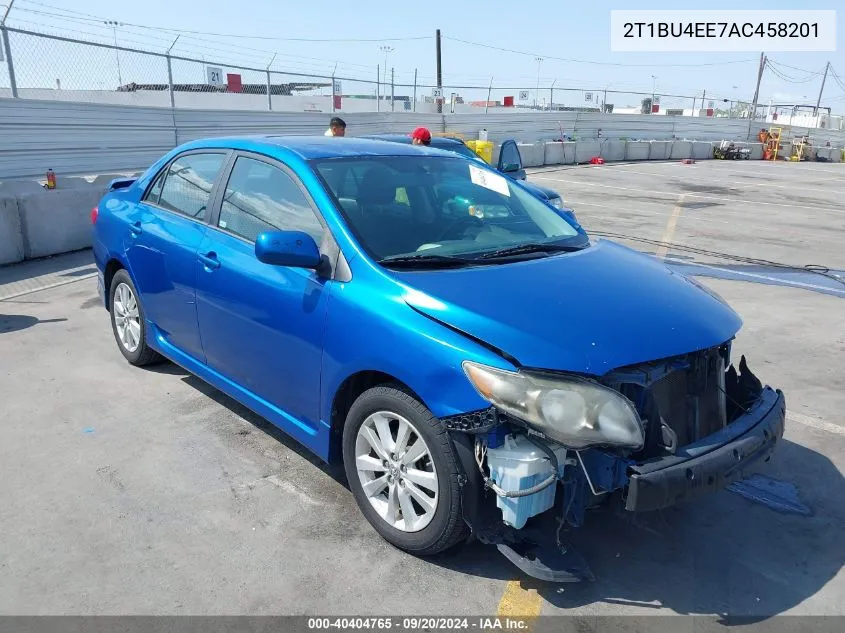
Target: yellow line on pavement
{"type": "Point", "coordinates": [670, 228]}
{"type": "Point", "coordinates": [517, 602]}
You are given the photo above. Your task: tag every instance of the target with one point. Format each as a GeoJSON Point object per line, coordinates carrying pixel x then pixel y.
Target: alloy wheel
{"type": "Point", "coordinates": [396, 471]}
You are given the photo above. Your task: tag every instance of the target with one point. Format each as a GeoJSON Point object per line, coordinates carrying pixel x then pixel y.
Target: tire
{"type": "Point", "coordinates": [442, 527]}
{"type": "Point", "coordinates": [133, 346]}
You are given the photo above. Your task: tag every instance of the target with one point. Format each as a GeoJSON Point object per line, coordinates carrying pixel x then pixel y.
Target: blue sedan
{"type": "Point", "coordinates": [473, 359]}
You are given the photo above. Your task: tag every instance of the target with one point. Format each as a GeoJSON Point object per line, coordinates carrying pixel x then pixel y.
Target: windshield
{"type": "Point", "coordinates": [436, 206]}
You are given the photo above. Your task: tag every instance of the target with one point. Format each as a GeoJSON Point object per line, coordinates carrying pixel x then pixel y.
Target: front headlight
{"type": "Point", "coordinates": [556, 202]}
{"type": "Point", "coordinates": [573, 412]}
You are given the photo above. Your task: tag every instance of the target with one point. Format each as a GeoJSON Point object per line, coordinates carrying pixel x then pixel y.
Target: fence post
{"type": "Point", "coordinates": [7, 46]}
{"type": "Point", "coordinates": [170, 82]}
{"type": "Point", "coordinates": [415, 89]}
{"type": "Point", "coordinates": [333, 93]}
{"type": "Point", "coordinates": [392, 92]}
{"type": "Point", "coordinates": [269, 92]}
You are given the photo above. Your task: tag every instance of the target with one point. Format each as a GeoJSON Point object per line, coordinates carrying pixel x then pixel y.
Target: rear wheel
{"type": "Point", "coordinates": [403, 471]}
{"type": "Point", "coordinates": [127, 320]}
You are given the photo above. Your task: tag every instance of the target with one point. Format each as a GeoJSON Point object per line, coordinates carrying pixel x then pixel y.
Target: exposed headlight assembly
{"type": "Point", "coordinates": [556, 202]}
{"type": "Point", "coordinates": [574, 412]}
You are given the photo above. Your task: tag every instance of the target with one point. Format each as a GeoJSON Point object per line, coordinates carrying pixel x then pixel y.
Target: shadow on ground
{"type": "Point", "coordinates": [723, 555]}
{"type": "Point", "coordinates": [18, 322]}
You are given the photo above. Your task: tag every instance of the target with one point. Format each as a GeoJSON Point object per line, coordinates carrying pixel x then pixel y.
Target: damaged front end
{"type": "Point", "coordinates": [700, 424]}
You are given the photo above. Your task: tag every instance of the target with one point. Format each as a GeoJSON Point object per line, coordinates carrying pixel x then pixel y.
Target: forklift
{"type": "Point", "coordinates": [728, 151]}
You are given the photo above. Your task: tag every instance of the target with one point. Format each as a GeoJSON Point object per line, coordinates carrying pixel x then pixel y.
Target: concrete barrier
{"type": "Point", "coordinates": [11, 236]}
{"type": "Point", "coordinates": [553, 153]}
{"type": "Point", "coordinates": [680, 150]}
{"type": "Point", "coordinates": [17, 187]}
{"type": "Point", "coordinates": [570, 149]}
{"type": "Point", "coordinates": [637, 150]}
{"type": "Point", "coordinates": [756, 151]}
{"type": "Point", "coordinates": [585, 149]}
{"type": "Point", "coordinates": [660, 150]}
{"type": "Point", "coordinates": [702, 150]}
{"type": "Point", "coordinates": [835, 155]}
{"type": "Point", "coordinates": [57, 221]}
{"type": "Point", "coordinates": [533, 154]}
{"type": "Point", "coordinates": [613, 150]}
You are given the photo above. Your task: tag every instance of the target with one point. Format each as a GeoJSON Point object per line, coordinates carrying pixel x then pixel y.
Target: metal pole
{"type": "Point", "coordinates": [415, 89]}
{"type": "Point", "coordinates": [539, 61]}
{"type": "Point", "coordinates": [13, 84]}
{"type": "Point", "coordinates": [392, 92]}
{"type": "Point", "coordinates": [552, 94]}
{"type": "Point", "coordinates": [170, 82]}
{"type": "Point", "coordinates": [489, 91]}
{"type": "Point", "coordinates": [753, 111]}
{"type": "Point", "coordinates": [269, 84]}
{"type": "Point", "coordinates": [821, 90]}
{"type": "Point", "coordinates": [694, 101]}
{"type": "Point", "coordinates": [703, 94]}
{"type": "Point", "coordinates": [378, 88]}
{"type": "Point", "coordinates": [439, 73]}
{"type": "Point", "coordinates": [6, 13]}
{"type": "Point", "coordinates": [333, 94]}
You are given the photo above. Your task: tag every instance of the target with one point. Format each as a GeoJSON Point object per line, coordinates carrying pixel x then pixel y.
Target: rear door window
{"type": "Point", "coordinates": [187, 185]}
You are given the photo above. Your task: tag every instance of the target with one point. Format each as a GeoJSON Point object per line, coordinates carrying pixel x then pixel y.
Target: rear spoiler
{"type": "Point", "coordinates": [120, 183]}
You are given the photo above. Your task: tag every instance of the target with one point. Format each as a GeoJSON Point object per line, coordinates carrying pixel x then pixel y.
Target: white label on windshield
{"type": "Point", "coordinates": [489, 180]}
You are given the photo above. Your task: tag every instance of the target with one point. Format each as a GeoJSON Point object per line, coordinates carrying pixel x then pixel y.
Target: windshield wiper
{"type": "Point", "coordinates": [426, 260]}
{"type": "Point", "coordinates": [521, 249]}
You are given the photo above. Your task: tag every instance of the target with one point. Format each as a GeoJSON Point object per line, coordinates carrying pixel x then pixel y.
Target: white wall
{"type": "Point", "coordinates": [86, 138]}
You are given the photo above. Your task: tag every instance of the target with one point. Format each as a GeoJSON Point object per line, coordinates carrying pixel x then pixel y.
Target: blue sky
{"type": "Point", "coordinates": [578, 30]}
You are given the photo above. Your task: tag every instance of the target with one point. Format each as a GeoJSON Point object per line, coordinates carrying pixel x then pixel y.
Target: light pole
{"type": "Point", "coordinates": [387, 50]}
{"type": "Point", "coordinates": [653, 89]}
{"type": "Point", "coordinates": [539, 61]}
{"type": "Point", "coordinates": [113, 24]}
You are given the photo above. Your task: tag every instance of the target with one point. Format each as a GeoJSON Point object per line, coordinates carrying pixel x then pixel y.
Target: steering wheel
{"type": "Point", "coordinates": [463, 223]}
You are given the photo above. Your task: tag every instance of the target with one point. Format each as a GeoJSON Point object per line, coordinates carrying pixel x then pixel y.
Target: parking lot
{"type": "Point", "coordinates": [144, 491]}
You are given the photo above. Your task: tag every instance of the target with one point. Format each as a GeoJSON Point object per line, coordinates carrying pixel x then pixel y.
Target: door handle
{"type": "Point", "coordinates": [135, 229]}
{"type": "Point", "coordinates": [210, 260]}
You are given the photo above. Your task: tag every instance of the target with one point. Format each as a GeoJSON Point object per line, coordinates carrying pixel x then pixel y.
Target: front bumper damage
{"type": "Point", "coordinates": [639, 484]}
{"type": "Point", "coordinates": [712, 463]}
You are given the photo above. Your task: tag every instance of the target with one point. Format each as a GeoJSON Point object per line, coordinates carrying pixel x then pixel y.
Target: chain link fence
{"type": "Point", "coordinates": [51, 67]}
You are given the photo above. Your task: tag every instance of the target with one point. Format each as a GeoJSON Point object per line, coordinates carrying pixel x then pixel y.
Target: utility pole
{"type": "Point", "coordinates": [489, 91]}
{"type": "Point", "coordinates": [753, 111]}
{"type": "Point", "coordinates": [703, 94]}
{"type": "Point", "coordinates": [415, 89]}
{"type": "Point", "coordinates": [821, 90]}
{"type": "Point", "coordinates": [653, 88]}
{"type": "Point", "coordinates": [439, 74]}
{"type": "Point", "coordinates": [392, 93]}
{"type": "Point", "coordinates": [378, 88]}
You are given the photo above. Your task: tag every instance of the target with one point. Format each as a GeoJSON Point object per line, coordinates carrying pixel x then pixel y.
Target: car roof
{"type": "Point", "coordinates": [436, 141]}
{"type": "Point", "coordinates": [315, 147]}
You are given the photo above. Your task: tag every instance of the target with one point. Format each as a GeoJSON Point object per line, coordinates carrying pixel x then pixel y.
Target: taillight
{"type": "Point", "coordinates": [94, 213]}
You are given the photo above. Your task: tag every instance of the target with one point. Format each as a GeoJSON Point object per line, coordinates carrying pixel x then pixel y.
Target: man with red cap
{"type": "Point", "coordinates": [421, 136]}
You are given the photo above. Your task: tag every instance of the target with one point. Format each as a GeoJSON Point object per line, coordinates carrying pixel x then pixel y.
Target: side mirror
{"type": "Point", "coordinates": [296, 249]}
{"type": "Point", "coordinates": [510, 168]}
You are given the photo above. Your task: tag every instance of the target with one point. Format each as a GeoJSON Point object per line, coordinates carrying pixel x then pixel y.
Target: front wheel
{"type": "Point", "coordinates": [403, 471]}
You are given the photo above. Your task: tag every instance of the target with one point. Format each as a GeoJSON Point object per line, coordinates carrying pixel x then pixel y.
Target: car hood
{"type": "Point", "coordinates": [589, 311]}
{"type": "Point", "coordinates": [543, 191]}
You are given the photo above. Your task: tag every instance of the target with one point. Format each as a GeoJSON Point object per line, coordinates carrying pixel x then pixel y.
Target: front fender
{"type": "Point", "coordinates": [369, 327]}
